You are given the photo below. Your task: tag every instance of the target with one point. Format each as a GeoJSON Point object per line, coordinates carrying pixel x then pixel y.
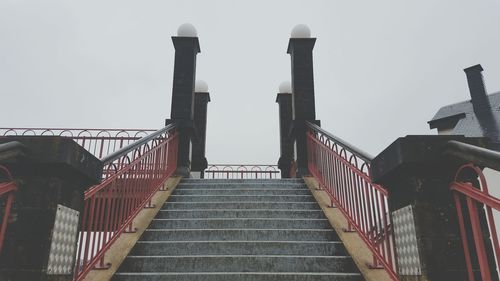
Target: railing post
{"type": "Point", "coordinates": [187, 47]}
{"type": "Point", "coordinates": [52, 174]}
{"type": "Point", "coordinates": [300, 48]}
{"type": "Point", "coordinates": [427, 237]}
{"type": "Point", "coordinates": [199, 163]}
{"type": "Point", "coordinates": [284, 100]}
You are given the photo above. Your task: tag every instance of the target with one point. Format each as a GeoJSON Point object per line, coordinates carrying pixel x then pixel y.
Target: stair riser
{"type": "Point", "coordinates": [238, 264]}
{"type": "Point", "coordinates": [238, 248]}
{"type": "Point", "coordinates": [240, 181]}
{"type": "Point", "coordinates": [240, 223]}
{"type": "Point", "coordinates": [241, 205]}
{"type": "Point", "coordinates": [241, 198]}
{"type": "Point", "coordinates": [219, 185]}
{"type": "Point", "coordinates": [241, 191]}
{"type": "Point", "coordinates": [239, 235]}
{"type": "Point", "coordinates": [285, 214]}
{"type": "Point", "coordinates": [237, 276]}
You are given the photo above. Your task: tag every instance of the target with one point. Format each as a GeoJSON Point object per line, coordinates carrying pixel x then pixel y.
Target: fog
{"type": "Point", "coordinates": [382, 68]}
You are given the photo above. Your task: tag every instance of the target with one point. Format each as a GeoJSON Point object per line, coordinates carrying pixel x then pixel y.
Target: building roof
{"type": "Point", "coordinates": [461, 118]}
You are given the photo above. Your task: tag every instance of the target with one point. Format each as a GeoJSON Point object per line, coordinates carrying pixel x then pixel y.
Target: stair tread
{"type": "Point", "coordinates": [228, 219]}
{"type": "Point", "coordinates": [238, 202]}
{"type": "Point", "coordinates": [239, 210]}
{"type": "Point", "coordinates": [243, 229]}
{"type": "Point", "coordinates": [242, 272]}
{"type": "Point", "coordinates": [241, 256]}
{"type": "Point", "coordinates": [238, 241]}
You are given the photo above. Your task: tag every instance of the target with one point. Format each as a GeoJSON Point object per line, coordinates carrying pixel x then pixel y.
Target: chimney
{"type": "Point", "coordinates": [479, 97]}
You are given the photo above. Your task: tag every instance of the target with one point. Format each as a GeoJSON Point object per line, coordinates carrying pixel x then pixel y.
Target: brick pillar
{"type": "Point", "coordinates": [182, 111]}
{"type": "Point", "coordinates": [303, 105]}
{"type": "Point", "coordinates": [52, 174]}
{"type": "Point", "coordinates": [423, 215]}
{"type": "Point", "coordinates": [284, 101]}
{"type": "Point", "coordinates": [199, 162]}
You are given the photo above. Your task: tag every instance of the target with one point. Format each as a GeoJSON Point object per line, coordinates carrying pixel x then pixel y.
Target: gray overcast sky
{"type": "Point", "coordinates": [382, 68]}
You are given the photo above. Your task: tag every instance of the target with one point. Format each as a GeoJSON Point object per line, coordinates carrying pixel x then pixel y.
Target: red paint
{"type": "Point", "coordinates": [346, 179]}
{"type": "Point", "coordinates": [474, 198]}
{"type": "Point", "coordinates": [128, 185]}
{"type": "Point", "coordinates": [7, 190]}
{"type": "Point", "coordinates": [239, 171]}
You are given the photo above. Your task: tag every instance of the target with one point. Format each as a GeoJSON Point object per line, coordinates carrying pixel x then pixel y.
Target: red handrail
{"type": "Point", "coordinates": [128, 186]}
{"type": "Point", "coordinates": [345, 176]}
{"type": "Point", "coordinates": [476, 199]}
{"type": "Point", "coordinates": [7, 190]}
{"type": "Point", "coordinates": [241, 171]}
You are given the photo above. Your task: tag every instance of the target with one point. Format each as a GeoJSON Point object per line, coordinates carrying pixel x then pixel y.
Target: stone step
{"type": "Point", "coordinates": [239, 235]}
{"type": "Point", "coordinates": [241, 205]}
{"type": "Point", "coordinates": [239, 276]}
{"type": "Point", "coordinates": [239, 223]}
{"type": "Point", "coordinates": [225, 185]}
{"type": "Point", "coordinates": [176, 248]}
{"type": "Point", "coordinates": [238, 263]}
{"type": "Point", "coordinates": [239, 213]}
{"type": "Point", "coordinates": [245, 230]}
{"type": "Point", "coordinates": [241, 191]}
{"type": "Point", "coordinates": [241, 198]}
{"type": "Point", "coordinates": [204, 181]}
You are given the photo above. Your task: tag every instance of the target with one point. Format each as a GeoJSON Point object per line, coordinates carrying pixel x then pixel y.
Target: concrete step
{"type": "Point", "coordinates": [241, 205]}
{"type": "Point", "coordinates": [238, 263]}
{"type": "Point", "coordinates": [239, 235]}
{"type": "Point", "coordinates": [177, 248]}
{"type": "Point", "coordinates": [225, 185]}
{"type": "Point", "coordinates": [238, 223]}
{"type": "Point", "coordinates": [239, 213]}
{"type": "Point", "coordinates": [240, 276]}
{"type": "Point", "coordinates": [225, 230]}
{"type": "Point", "coordinates": [204, 181]}
{"type": "Point", "coordinates": [242, 191]}
{"type": "Point", "coordinates": [241, 198]}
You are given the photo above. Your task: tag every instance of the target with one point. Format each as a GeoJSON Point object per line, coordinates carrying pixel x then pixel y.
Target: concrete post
{"type": "Point", "coordinates": [52, 174]}
{"type": "Point", "coordinates": [182, 111]}
{"type": "Point", "coordinates": [199, 162]}
{"type": "Point", "coordinates": [284, 101]}
{"type": "Point", "coordinates": [303, 105]}
{"type": "Point", "coordinates": [423, 215]}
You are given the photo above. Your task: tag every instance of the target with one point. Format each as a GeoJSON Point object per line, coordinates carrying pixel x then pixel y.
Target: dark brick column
{"type": "Point", "coordinates": [182, 111]}
{"type": "Point", "coordinates": [417, 175]}
{"type": "Point", "coordinates": [52, 174]}
{"type": "Point", "coordinates": [199, 162]}
{"type": "Point", "coordinates": [303, 105]}
{"type": "Point", "coordinates": [284, 101]}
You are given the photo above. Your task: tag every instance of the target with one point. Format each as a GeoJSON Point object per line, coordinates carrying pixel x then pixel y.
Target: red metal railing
{"type": "Point", "coordinates": [99, 142]}
{"type": "Point", "coordinates": [344, 172]}
{"type": "Point", "coordinates": [237, 171]}
{"type": "Point", "coordinates": [7, 189]}
{"type": "Point", "coordinates": [475, 199]}
{"type": "Point", "coordinates": [133, 176]}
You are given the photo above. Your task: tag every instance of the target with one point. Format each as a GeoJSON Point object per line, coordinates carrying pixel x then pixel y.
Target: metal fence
{"type": "Point", "coordinates": [134, 174]}
{"type": "Point", "coordinates": [343, 171]}
{"type": "Point", "coordinates": [7, 189]}
{"type": "Point", "coordinates": [476, 209]}
{"type": "Point", "coordinates": [99, 142]}
{"type": "Point", "coordinates": [240, 171]}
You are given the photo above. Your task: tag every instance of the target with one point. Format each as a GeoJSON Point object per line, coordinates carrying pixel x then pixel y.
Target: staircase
{"type": "Point", "coordinates": [218, 230]}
